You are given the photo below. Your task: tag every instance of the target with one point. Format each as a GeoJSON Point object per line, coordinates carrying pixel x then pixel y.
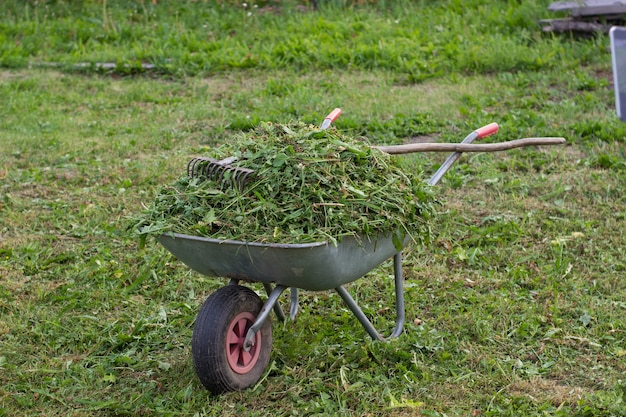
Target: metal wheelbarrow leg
{"type": "Point", "coordinates": [484, 131]}
{"type": "Point", "coordinates": [272, 303]}
{"type": "Point", "coordinates": [400, 311]}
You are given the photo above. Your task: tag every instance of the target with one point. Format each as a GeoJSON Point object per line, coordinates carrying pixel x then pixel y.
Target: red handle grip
{"type": "Point", "coordinates": [333, 115]}
{"type": "Point", "coordinates": [488, 130]}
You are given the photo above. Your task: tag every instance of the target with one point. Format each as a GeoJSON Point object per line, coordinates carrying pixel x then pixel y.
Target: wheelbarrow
{"type": "Point", "coordinates": [232, 335]}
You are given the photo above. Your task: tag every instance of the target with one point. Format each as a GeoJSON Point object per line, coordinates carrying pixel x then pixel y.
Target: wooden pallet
{"type": "Point", "coordinates": [586, 16]}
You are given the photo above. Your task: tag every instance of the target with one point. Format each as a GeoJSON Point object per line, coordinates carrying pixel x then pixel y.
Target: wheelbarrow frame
{"type": "Point", "coordinates": [316, 266]}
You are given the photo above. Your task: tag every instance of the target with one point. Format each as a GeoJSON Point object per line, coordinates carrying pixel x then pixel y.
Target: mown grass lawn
{"type": "Point", "coordinates": [516, 307]}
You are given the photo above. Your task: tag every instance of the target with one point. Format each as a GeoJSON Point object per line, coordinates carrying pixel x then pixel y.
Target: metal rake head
{"type": "Point", "coordinates": [219, 171]}
{"type": "Point", "coordinates": [222, 171]}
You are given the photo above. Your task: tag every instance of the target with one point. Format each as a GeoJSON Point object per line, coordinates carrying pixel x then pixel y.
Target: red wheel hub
{"type": "Point", "coordinates": [240, 360]}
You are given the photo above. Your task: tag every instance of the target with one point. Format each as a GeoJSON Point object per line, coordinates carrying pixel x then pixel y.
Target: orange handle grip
{"type": "Point", "coordinates": [333, 115]}
{"type": "Point", "coordinates": [488, 130]}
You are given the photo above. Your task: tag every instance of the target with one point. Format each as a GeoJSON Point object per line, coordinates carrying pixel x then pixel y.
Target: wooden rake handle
{"type": "Point", "coordinates": [469, 147]}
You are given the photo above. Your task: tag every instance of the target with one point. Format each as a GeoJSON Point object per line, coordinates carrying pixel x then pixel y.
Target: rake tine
{"type": "Point", "coordinates": [248, 175]}
{"type": "Point", "coordinates": [198, 168]}
{"type": "Point", "coordinates": [205, 169]}
{"type": "Point", "coordinates": [212, 170]}
{"type": "Point", "coordinates": [191, 167]}
{"type": "Point", "coordinates": [240, 178]}
{"type": "Point", "coordinates": [218, 171]}
{"type": "Point", "coordinates": [228, 174]}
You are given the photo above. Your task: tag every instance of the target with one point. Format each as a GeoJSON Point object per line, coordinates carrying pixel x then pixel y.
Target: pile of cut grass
{"type": "Point", "coordinates": [308, 185]}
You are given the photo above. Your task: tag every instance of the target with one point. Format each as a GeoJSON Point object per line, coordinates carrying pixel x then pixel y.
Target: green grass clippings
{"type": "Point", "coordinates": [308, 185]}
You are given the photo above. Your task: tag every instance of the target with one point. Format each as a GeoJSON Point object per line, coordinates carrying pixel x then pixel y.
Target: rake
{"type": "Point", "coordinates": [209, 168]}
{"type": "Point", "coordinates": [222, 170]}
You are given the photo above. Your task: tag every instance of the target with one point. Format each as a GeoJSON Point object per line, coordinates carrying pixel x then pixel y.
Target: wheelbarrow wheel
{"type": "Point", "coordinates": [220, 359]}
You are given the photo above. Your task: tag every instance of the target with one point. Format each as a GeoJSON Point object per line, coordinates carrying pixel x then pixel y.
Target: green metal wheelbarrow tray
{"type": "Point", "coordinates": [232, 336]}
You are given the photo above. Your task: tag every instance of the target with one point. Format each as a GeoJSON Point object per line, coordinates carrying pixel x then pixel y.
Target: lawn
{"type": "Point", "coordinates": [516, 306]}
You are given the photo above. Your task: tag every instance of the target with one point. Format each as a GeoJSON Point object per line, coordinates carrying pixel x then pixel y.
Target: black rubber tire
{"type": "Point", "coordinates": [209, 341]}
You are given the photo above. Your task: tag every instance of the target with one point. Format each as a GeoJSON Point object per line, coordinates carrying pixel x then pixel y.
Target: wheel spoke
{"type": "Point", "coordinates": [245, 357]}
{"type": "Point", "coordinates": [232, 338]}
{"type": "Point", "coordinates": [241, 328]}
{"type": "Point", "coordinates": [234, 349]}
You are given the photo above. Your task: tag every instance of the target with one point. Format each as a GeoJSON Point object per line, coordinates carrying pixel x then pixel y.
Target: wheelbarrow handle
{"type": "Point", "coordinates": [490, 129]}
{"type": "Point", "coordinates": [469, 147]}
{"type": "Point", "coordinates": [487, 130]}
{"type": "Point", "coordinates": [332, 116]}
